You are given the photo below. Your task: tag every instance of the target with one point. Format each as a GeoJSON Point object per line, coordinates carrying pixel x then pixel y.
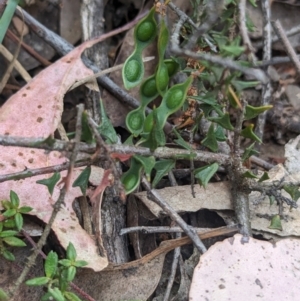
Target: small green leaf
{"type": "Point", "coordinates": [50, 182]}
{"type": "Point", "coordinates": [83, 180]}
{"type": "Point", "coordinates": [248, 133]}
{"type": "Point", "coordinates": [219, 134]}
{"type": "Point", "coordinates": [253, 3]}
{"type": "Point", "coordinates": [180, 141]}
{"type": "Point", "coordinates": [18, 220]}
{"type": "Point", "coordinates": [37, 281]}
{"type": "Point", "coordinates": [8, 233]}
{"type": "Point", "coordinates": [272, 199]}
{"type": "Point", "coordinates": [80, 263]}
{"type": "Point", "coordinates": [210, 140]}
{"type": "Point", "coordinates": [71, 252]}
{"type": "Point", "coordinates": [71, 272]}
{"type": "Point", "coordinates": [56, 294]}
{"type": "Point", "coordinates": [9, 223]}
{"type": "Point", "coordinates": [7, 205]}
{"type": "Point", "coordinates": [162, 167]}
{"type": "Point", "coordinates": [65, 262]}
{"type": "Point", "coordinates": [8, 256]}
{"type": "Point", "coordinates": [264, 177]}
{"type": "Point", "coordinates": [276, 223]}
{"type": "Point", "coordinates": [249, 174]}
{"type": "Point", "coordinates": [71, 297]}
{"type": "Point", "coordinates": [293, 191]}
{"type": "Point", "coordinates": [9, 212]}
{"type": "Point", "coordinates": [205, 173]}
{"type": "Point", "coordinates": [86, 134]}
{"type": "Point", "coordinates": [232, 50]}
{"type": "Point", "coordinates": [1, 225]}
{"type": "Point", "coordinates": [223, 121]}
{"type": "Point", "coordinates": [3, 295]}
{"type": "Point", "coordinates": [14, 241]}
{"type": "Point", "coordinates": [241, 85]}
{"type": "Point", "coordinates": [51, 264]}
{"type": "Point", "coordinates": [249, 151]}
{"type": "Point", "coordinates": [106, 128]}
{"type": "Point", "coordinates": [14, 199]}
{"type": "Point", "coordinates": [148, 164]}
{"type": "Point", "coordinates": [252, 112]}
{"type": "Point", "coordinates": [25, 209]}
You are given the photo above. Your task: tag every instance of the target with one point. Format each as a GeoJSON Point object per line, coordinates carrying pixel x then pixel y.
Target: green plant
{"type": "Point", "coordinates": [58, 275]}
{"type": "Point", "coordinates": [150, 128]}
{"type": "Point", "coordinates": [11, 218]}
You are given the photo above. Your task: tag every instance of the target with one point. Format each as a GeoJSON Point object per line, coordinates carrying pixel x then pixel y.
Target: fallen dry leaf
{"type": "Point", "coordinates": [257, 270]}
{"type": "Point", "coordinates": [35, 111]}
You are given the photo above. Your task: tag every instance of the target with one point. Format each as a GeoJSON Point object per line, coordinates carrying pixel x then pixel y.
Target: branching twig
{"type": "Point", "coordinates": [225, 62]}
{"type": "Point", "coordinates": [160, 152]}
{"type": "Point", "coordinates": [155, 197]}
{"type": "Point", "coordinates": [214, 9]}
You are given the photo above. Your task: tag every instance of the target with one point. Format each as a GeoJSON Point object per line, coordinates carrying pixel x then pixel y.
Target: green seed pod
{"type": "Point", "coordinates": [133, 70]}
{"type": "Point", "coordinates": [162, 75]}
{"type": "Point", "coordinates": [131, 178]}
{"type": "Point", "coordinates": [144, 33]}
{"type": "Point", "coordinates": [175, 98]}
{"type": "Point", "coordinates": [146, 30]}
{"type": "Point", "coordinates": [162, 78]}
{"type": "Point", "coordinates": [135, 121]}
{"type": "Point", "coordinates": [172, 66]}
{"type": "Point", "coordinates": [148, 87]}
{"type": "Point", "coordinates": [172, 101]}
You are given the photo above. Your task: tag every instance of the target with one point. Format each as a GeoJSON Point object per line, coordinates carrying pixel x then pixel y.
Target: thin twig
{"type": "Point", "coordinates": [267, 53]}
{"type": "Point", "coordinates": [291, 32]}
{"type": "Point", "coordinates": [155, 197]}
{"type": "Point", "coordinates": [173, 270]}
{"type": "Point", "coordinates": [101, 73]}
{"type": "Point", "coordinates": [225, 62]}
{"type": "Point", "coordinates": [244, 31]}
{"type": "Point", "coordinates": [41, 171]}
{"type": "Point", "coordinates": [159, 229]}
{"type": "Point", "coordinates": [287, 45]}
{"type": "Point", "coordinates": [160, 152]}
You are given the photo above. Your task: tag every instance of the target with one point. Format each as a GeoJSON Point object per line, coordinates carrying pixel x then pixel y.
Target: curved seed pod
{"type": "Point", "coordinates": [148, 91]}
{"type": "Point", "coordinates": [172, 66]}
{"type": "Point", "coordinates": [144, 33]}
{"type": "Point", "coordinates": [162, 76]}
{"type": "Point", "coordinates": [131, 178]}
{"type": "Point", "coordinates": [135, 121]}
{"type": "Point", "coordinates": [133, 70]}
{"type": "Point", "coordinates": [146, 30]}
{"type": "Point", "coordinates": [173, 101]}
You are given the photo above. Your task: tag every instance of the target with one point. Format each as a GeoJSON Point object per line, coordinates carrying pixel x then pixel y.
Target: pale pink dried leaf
{"type": "Point", "coordinates": [257, 270]}
{"type": "Point", "coordinates": [35, 111]}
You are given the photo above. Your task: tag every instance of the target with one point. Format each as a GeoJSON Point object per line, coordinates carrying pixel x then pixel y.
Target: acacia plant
{"type": "Point", "coordinates": [212, 88]}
